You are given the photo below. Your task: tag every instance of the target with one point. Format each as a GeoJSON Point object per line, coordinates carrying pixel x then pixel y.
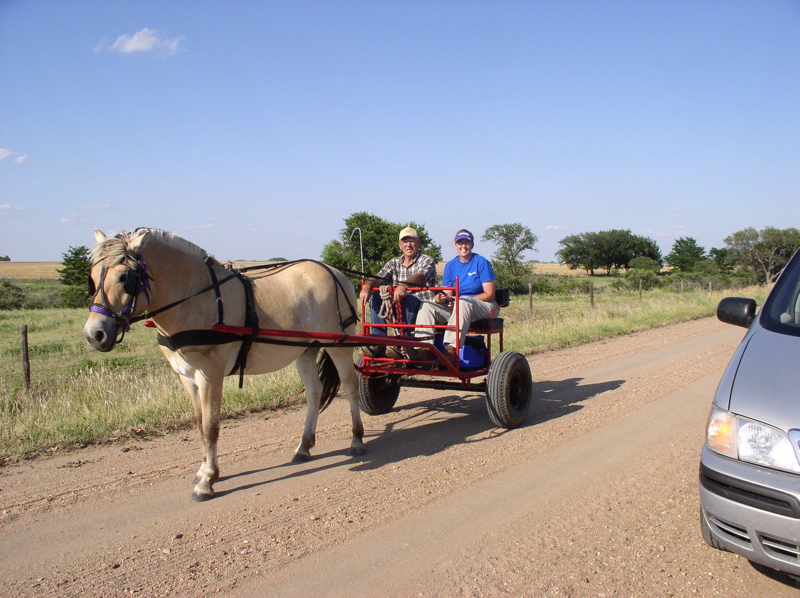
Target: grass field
{"type": "Point", "coordinates": [80, 396]}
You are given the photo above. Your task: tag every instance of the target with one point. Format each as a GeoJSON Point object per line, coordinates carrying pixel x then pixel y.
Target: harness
{"type": "Point", "coordinates": [137, 281]}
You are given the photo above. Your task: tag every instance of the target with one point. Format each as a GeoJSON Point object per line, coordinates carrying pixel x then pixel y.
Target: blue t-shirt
{"type": "Point", "coordinates": [471, 275]}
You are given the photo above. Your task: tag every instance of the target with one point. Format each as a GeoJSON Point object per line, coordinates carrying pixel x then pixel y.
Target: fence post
{"type": "Point", "coordinates": [591, 294]}
{"type": "Point", "coordinates": [530, 297]}
{"type": "Point", "coordinates": [640, 290]}
{"type": "Point", "coordinates": [26, 362]}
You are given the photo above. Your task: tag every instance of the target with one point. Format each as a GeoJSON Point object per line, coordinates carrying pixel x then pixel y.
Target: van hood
{"type": "Point", "coordinates": [766, 386]}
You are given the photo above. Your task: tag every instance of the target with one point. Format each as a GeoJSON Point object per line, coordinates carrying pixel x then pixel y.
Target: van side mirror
{"type": "Point", "coordinates": [738, 311]}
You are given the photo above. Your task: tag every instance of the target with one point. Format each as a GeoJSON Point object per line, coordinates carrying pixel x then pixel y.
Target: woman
{"type": "Point", "coordinates": [476, 286]}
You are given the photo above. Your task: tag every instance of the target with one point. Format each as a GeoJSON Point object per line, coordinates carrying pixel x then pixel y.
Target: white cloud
{"type": "Point", "coordinates": [144, 40]}
{"type": "Point", "coordinates": [4, 153]}
{"type": "Point", "coordinates": [95, 207]}
{"type": "Point", "coordinates": [553, 227]}
{"type": "Point", "coordinates": [68, 219]}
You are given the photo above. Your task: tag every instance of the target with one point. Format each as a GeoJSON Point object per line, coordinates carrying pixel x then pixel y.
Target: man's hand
{"type": "Point", "coordinates": [400, 291]}
{"type": "Point", "coordinates": [363, 296]}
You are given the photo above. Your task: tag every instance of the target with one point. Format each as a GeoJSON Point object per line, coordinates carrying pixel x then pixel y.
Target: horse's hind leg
{"type": "Point", "coordinates": [343, 359]}
{"type": "Point", "coordinates": [307, 368]}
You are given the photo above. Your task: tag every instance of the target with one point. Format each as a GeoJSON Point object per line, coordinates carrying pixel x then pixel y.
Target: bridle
{"type": "Point", "coordinates": [135, 281]}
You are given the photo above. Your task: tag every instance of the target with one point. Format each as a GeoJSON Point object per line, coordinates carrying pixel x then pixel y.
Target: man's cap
{"type": "Point", "coordinates": [408, 232]}
{"type": "Point", "coordinates": [464, 236]}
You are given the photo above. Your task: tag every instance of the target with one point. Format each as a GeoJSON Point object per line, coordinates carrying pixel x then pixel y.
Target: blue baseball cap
{"type": "Point", "coordinates": [464, 237]}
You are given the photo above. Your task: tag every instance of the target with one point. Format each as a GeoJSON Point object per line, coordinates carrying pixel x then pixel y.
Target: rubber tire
{"type": "Point", "coordinates": [378, 394]}
{"type": "Point", "coordinates": [708, 537]}
{"type": "Point", "coordinates": [509, 390]}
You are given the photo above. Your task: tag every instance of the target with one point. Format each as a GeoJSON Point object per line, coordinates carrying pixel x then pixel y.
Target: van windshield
{"type": "Point", "coordinates": [781, 312]}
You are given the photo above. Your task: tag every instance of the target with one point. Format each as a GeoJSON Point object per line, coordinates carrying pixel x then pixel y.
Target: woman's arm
{"type": "Point", "coordinates": [488, 292]}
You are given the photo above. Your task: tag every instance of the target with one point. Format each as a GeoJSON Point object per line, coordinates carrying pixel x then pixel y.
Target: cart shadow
{"type": "Point", "coordinates": [556, 398]}
{"type": "Point", "coordinates": [434, 425]}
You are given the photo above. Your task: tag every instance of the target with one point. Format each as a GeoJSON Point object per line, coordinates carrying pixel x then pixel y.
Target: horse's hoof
{"type": "Point", "coordinates": [300, 458]}
{"type": "Point", "coordinates": [356, 451]}
{"type": "Point", "coordinates": [196, 481]}
{"type": "Point", "coordinates": [200, 497]}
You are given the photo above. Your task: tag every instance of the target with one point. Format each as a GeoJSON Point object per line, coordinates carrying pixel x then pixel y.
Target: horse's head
{"type": "Point", "coordinates": [117, 281]}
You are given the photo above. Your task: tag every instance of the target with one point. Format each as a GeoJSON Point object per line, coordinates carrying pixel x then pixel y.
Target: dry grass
{"type": "Point", "coordinates": [30, 270]}
{"type": "Point", "coordinates": [554, 268]}
{"type": "Point", "coordinates": [547, 268]}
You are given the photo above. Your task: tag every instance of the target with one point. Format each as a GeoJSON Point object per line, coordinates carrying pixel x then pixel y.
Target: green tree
{"type": "Point", "coordinates": [685, 254]}
{"type": "Point", "coordinates": [764, 252]}
{"type": "Point", "coordinates": [579, 251]}
{"type": "Point", "coordinates": [77, 264]}
{"type": "Point", "coordinates": [379, 240]}
{"type": "Point", "coordinates": [512, 241]}
{"type": "Point", "coordinates": [645, 263]}
{"type": "Point", "coordinates": [721, 258]}
{"type": "Point", "coordinates": [611, 249]}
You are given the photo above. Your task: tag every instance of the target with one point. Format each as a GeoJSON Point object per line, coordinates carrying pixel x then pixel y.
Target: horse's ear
{"type": "Point", "coordinates": [99, 236]}
{"type": "Point", "coordinates": [136, 244]}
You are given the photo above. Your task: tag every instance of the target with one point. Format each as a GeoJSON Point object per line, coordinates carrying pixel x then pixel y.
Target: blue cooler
{"type": "Point", "coordinates": [471, 355]}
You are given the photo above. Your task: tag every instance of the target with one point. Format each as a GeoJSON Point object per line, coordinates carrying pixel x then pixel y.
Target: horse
{"type": "Point", "coordinates": [182, 291]}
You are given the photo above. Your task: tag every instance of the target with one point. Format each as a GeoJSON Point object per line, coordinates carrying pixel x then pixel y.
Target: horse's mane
{"type": "Point", "coordinates": [115, 250]}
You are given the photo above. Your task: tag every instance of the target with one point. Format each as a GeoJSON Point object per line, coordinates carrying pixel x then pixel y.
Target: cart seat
{"type": "Point", "coordinates": [486, 325]}
{"type": "Point", "coordinates": [502, 297]}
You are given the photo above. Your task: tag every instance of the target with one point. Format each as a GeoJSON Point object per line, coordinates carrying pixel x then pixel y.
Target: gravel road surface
{"type": "Point", "coordinates": [595, 496]}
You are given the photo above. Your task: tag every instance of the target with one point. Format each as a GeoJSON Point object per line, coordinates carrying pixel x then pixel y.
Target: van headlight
{"type": "Point", "coordinates": [751, 441]}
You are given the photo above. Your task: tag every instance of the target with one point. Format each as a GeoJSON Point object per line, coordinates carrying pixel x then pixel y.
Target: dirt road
{"type": "Point", "coordinates": [595, 496]}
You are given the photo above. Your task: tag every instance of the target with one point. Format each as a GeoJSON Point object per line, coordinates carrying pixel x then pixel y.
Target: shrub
{"type": "Point", "coordinates": [11, 296]}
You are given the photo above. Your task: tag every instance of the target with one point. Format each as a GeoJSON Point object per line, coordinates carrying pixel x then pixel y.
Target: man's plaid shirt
{"type": "Point", "coordinates": [395, 271]}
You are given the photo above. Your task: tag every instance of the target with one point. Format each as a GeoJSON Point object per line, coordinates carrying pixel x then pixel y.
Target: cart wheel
{"type": "Point", "coordinates": [509, 390]}
{"type": "Point", "coordinates": [377, 394]}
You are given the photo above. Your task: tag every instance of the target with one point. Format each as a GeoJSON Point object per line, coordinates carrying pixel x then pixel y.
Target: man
{"type": "Point", "coordinates": [412, 269]}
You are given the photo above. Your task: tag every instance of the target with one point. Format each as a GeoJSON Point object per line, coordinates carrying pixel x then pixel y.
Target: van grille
{"type": "Point", "coordinates": [781, 547]}
{"type": "Point", "coordinates": [731, 530]}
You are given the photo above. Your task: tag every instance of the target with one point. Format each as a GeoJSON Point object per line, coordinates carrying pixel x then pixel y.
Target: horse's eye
{"type": "Point", "coordinates": [92, 288]}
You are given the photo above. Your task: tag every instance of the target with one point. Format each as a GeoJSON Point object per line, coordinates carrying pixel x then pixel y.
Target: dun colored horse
{"type": "Point", "coordinates": [156, 275]}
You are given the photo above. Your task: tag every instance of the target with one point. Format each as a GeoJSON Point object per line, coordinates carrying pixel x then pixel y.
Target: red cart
{"type": "Point", "coordinates": [504, 378]}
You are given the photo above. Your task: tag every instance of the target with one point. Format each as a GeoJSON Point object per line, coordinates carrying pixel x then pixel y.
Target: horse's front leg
{"type": "Point", "coordinates": [307, 368]}
{"type": "Point", "coordinates": [206, 398]}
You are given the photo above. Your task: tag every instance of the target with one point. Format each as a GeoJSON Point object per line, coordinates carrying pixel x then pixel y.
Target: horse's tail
{"type": "Point", "coordinates": [329, 375]}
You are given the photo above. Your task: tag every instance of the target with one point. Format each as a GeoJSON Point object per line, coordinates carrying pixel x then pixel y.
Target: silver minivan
{"type": "Point", "coordinates": [750, 464]}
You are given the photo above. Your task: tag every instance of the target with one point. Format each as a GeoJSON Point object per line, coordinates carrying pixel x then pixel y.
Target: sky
{"type": "Point", "coordinates": [255, 128]}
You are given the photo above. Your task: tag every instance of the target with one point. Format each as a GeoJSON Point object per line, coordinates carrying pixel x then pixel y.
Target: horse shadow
{"type": "Point", "coordinates": [434, 425]}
